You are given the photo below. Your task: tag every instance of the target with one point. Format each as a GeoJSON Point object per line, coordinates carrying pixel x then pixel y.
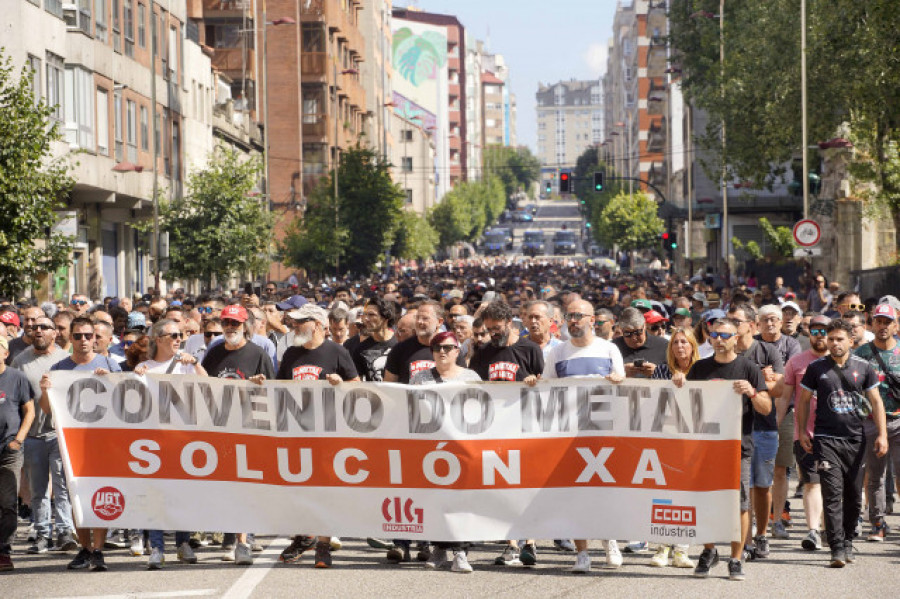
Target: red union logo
{"type": "Point", "coordinates": [673, 514]}
{"type": "Point", "coordinates": [401, 516]}
{"type": "Point", "coordinates": [108, 503]}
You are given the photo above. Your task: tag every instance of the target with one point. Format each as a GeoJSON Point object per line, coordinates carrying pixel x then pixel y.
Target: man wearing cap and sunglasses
{"type": "Point", "coordinates": [641, 352]}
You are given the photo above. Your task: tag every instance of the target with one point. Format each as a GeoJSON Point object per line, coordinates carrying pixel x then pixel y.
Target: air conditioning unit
{"type": "Point", "coordinates": [70, 15]}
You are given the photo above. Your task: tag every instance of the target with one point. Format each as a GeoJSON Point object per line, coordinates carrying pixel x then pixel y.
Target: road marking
{"type": "Point", "coordinates": [254, 575]}
{"type": "Point", "coordinates": [150, 595]}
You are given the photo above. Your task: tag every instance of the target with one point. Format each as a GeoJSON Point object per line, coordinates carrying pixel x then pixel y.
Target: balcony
{"type": "Point", "coordinates": [232, 61]}
{"type": "Point", "coordinates": [656, 140]}
{"type": "Point", "coordinates": [224, 8]}
{"type": "Point", "coordinates": [314, 65]}
{"type": "Point", "coordinates": [331, 13]}
{"type": "Point", "coordinates": [315, 128]}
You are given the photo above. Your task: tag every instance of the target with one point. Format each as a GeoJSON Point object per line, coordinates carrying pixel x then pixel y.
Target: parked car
{"type": "Point", "coordinates": [494, 243]}
{"type": "Point", "coordinates": [532, 208]}
{"type": "Point", "coordinates": [533, 243]}
{"type": "Point", "coordinates": [565, 242]}
{"type": "Point", "coordinates": [522, 216]}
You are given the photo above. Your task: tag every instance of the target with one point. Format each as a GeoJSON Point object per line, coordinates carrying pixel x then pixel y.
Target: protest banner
{"type": "Point", "coordinates": [572, 458]}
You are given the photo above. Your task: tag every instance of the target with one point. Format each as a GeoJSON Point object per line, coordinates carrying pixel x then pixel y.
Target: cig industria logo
{"type": "Point", "coordinates": [401, 516]}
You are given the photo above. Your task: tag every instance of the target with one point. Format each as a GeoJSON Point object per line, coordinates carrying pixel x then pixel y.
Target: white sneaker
{"type": "Point", "coordinates": [186, 554]}
{"type": "Point", "coordinates": [137, 545]}
{"type": "Point", "coordinates": [661, 558]}
{"type": "Point", "coordinates": [438, 559]}
{"type": "Point", "coordinates": [582, 563]}
{"type": "Point", "coordinates": [242, 554]}
{"type": "Point", "coordinates": [157, 559]}
{"type": "Point", "coordinates": [613, 555]}
{"type": "Point", "coordinates": [336, 544]}
{"type": "Point", "coordinates": [680, 559]}
{"type": "Point", "coordinates": [461, 563]}
{"type": "Point", "coordinates": [228, 556]}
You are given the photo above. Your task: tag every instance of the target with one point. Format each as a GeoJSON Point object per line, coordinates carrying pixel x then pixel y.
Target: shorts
{"type": "Point", "coordinates": [806, 465]}
{"type": "Point", "coordinates": [762, 471]}
{"type": "Point", "coordinates": [745, 484]}
{"type": "Point", "coordinates": [785, 456]}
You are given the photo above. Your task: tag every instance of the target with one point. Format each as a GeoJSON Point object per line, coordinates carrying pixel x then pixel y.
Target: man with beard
{"type": "Point", "coordinates": [414, 354]}
{"type": "Point", "coordinates": [43, 460]}
{"type": "Point", "coordinates": [406, 326]}
{"type": "Point", "coordinates": [370, 354]}
{"type": "Point", "coordinates": [314, 358]}
{"type": "Point", "coordinates": [585, 354]}
{"type": "Point", "coordinates": [237, 358]}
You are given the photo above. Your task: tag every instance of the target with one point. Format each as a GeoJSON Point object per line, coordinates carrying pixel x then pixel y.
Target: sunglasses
{"type": "Point", "coordinates": [857, 307]}
{"type": "Point", "coordinates": [209, 334]}
{"type": "Point", "coordinates": [444, 349]}
{"type": "Point", "coordinates": [205, 310]}
{"type": "Point", "coordinates": [722, 336]}
{"type": "Point", "coordinates": [81, 336]}
{"type": "Point", "coordinates": [177, 336]}
{"type": "Point", "coordinates": [42, 327]}
{"type": "Point", "coordinates": [128, 343]}
{"type": "Point", "coordinates": [817, 332]}
{"type": "Point", "coordinates": [78, 302]}
{"type": "Point", "coordinates": [229, 322]}
{"type": "Point", "coordinates": [634, 333]}
{"type": "Point", "coordinates": [600, 323]}
{"type": "Point", "coordinates": [576, 315]}
{"type": "Point", "coordinates": [657, 327]}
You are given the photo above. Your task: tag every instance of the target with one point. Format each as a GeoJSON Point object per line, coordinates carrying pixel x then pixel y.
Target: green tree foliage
{"type": "Point", "coordinates": [629, 221]}
{"type": "Point", "coordinates": [780, 239]}
{"type": "Point", "coordinates": [465, 210]}
{"type": "Point", "coordinates": [369, 213]}
{"type": "Point", "coordinates": [218, 229]}
{"type": "Point", "coordinates": [517, 168]}
{"type": "Point", "coordinates": [583, 178]}
{"type": "Point", "coordinates": [415, 239]}
{"type": "Point", "coordinates": [32, 185]}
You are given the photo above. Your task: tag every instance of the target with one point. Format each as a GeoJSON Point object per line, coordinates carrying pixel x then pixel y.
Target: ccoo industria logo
{"type": "Point", "coordinates": [668, 520]}
{"type": "Point", "coordinates": [401, 516]}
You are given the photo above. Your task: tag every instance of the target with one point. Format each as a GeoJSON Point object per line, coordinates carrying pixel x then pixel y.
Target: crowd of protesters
{"type": "Point", "coordinates": [790, 352]}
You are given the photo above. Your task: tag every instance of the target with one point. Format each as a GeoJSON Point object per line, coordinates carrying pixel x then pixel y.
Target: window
{"type": "Point", "coordinates": [131, 130]}
{"type": "Point", "coordinates": [79, 101]}
{"type": "Point", "coordinates": [406, 164]}
{"type": "Point", "coordinates": [116, 26]}
{"type": "Point", "coordinates": [407, 135]}
{"type": "Point", "coordinates": [128, 26]}
{"type": "Point", "coordinates": [117, 125]}
{"type": "Point", "coordinates": [102, 121]}
{"type": "Point", "coordinates": [409, 196]}
{"type": "Point", "coordinates": [54, 7]}
{"type": "Point", "coordinates": [100, 20]}
{"type": "Point", "coordinates": [55, 85]}
{"type": "Point", "coordinates": [145, 129]}
{"type": "Point", "coordinates": [77, 15]}
{"type": "Point", "coordinates": [34, 63]}
{"type": "Point", "coordinates": [142, 25]}
{"type": "Point", "coordinates": [176, 151]}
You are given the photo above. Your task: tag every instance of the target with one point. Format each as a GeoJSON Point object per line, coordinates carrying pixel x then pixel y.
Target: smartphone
{"type": "Point", "coordinates": [639, 363]}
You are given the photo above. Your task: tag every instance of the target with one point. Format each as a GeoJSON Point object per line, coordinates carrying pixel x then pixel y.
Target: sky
{"type": "Point", "coordinates": [542, 42]}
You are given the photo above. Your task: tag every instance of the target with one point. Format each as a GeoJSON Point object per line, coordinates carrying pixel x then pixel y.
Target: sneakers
{"type": "Point", "coordinates": [82, 560]}
{"type": "Point", "coordinates": [762, 547]}
{"type": "Point", "coordinates": [749, 553]}
{"type": "Point", "coordinates": [378, 543]}
{"type": "Point", "coordinates": [137, 545]}
{"type": "Point", "coordinates": [779, 531]}
{"type": "Point", "coordinates": [528, 555]}
{"type": "Point", "coordinates": [438, 559]}
{"type": "Point", "coordinates": [735, 570]}
{"type": "Point", "coordinates": [838, 558]}
{"type": "Point", "coordinates": [242, 555]}
{"type": "Point", "coordinates": [582, 563]}
{"type": "Point", "coordinates": [336, 543]}
{"type": "Point", "coordinates": [157, 559]}
{"type": "Point", "coordinates": [98, 564]}
{"type": "Point", "coordinates": [509, 557]}
{"type": "Point", "coordinates": [564, 545]}
{"type": "Point", "coordinates": [680, 559]}
{"type": "Point", "coordinates": [660, 559]}
{"type": "Point", "coordinates": [812, 541]}
{"type": "Point", "coordinates": [294, 551]}
{"type": "Point", "coordinates": [66, 542]}
{"type": "Point", "coordinates": [637, 547]}
{"type": "Point", "coordinates": [461, 563]}
{"type": "Point", "coordinates": [879, 532]}
{"type": "Point", "coordinates": [228, 556]}
{"type": "Point", "coordinates": [708, 560]}
{"type": "Point", "coordinates": [185, 553]}
{"type": "Point", "coordinates": [424, 553]}
{"type": "Point", "coordinates": [323, 555]}
{"type": "Point", "coordinates": [397, 554]}
{"type": "Point", "coordinates": [613, 555]}
{"type": "Point", "coordinates": [115, 539]}
{"type": "Point", "coordinates": [5, 562]}
{"type": "Point", "coordinates": [41, 545]}
{"type": "Point", "coordinates": [848, 551]}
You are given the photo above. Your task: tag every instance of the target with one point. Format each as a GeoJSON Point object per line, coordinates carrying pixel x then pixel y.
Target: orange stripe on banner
{"type": "Point", "coordinates": [673, 464]}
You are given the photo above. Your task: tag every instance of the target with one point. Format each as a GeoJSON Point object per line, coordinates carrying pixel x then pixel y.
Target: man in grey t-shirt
{"type": "Point", "coordinates": [42, 458]}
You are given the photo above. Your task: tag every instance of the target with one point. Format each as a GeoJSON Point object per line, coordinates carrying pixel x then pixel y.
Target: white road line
{"type": "Point", "coordinates": [150, 594]}
{"type": "Point", "coordinates": [244, 586]}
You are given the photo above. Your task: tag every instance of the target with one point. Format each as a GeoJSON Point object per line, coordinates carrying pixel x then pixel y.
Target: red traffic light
{"type": "Point", "coordinates": [564, 176]}
{"type": "Point", "coordinates": [665, 236]}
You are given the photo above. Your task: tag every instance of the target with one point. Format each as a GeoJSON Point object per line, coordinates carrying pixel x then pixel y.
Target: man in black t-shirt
{"type": "Point", "coordinates": [508, 357]}
{"type": "Point", "coordinates": [839, 444]}
{"type": "Point", "coordinates": [748, 379]}
{"type": "Point", "coordinates": [414, 354]}
{"type": "Point", "coordinates": [370, 355]}
{"type": "Point", "coordinates": [641, 353]}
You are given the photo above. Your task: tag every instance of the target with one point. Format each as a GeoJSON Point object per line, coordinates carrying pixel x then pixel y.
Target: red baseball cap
{"type": "Point", "coordinates": [653, 317]}
{"type": "Point", "coordinates": [234, 312]}
{"type": "Point", "coordinates": [883, 310]}
{"type": "Point", "coordinates": [10, 318]}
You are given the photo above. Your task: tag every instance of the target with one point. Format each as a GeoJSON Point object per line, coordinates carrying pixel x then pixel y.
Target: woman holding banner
{"type": "Point", "coordinates": [681, 354]}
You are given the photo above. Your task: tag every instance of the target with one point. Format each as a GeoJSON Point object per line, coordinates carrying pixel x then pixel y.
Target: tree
{"type": "Point", "coordinates": [369, 213]}
{"type": "Point", "coordinates": [517, 168]}
{"type": "Point", "coordinates": [630, 221]}
{"type": "Point", "coordinates": [32, 185]}
{"type": "Point", "coordinates": [466, 209]}
{"type": "Point", "coordinates": [583, 178]}
{"type": "Point", "coordinates": [415, 238]}
{"type": "Point", "coordinates": [219, 229]}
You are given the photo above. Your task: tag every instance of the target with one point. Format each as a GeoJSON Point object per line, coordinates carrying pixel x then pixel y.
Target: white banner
{"type": "Point", "coordinates": [572, 458]}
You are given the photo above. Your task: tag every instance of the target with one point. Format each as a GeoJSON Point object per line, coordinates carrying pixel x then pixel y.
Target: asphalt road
{"type": "Point", "coordinates": [362, 572]}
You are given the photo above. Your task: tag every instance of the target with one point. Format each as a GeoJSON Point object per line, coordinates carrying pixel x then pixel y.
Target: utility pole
{"type": "Point", "coordinates": [157, 133]}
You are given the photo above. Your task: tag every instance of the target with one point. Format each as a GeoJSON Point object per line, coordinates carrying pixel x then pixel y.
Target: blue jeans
{"type": "Point", "coordinates": [765, 447]}
{"type": "Point", "coordinates": [44, 464]}
{"type": "Point", "coordinates": [157, 541]}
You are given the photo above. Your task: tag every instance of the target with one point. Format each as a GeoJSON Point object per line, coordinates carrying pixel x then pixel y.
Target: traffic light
{"type": "Point", "coordinates": [598, 181]}
{"type": "Point", "coordinates": [564, 183]}
{"type": "Point", "coordinates": [549, 186]}
{"type": "Point", "coordinates": [673, 240]}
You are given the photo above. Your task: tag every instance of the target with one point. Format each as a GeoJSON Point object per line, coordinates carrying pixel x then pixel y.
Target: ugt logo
{"type": "Point", "coordinates": [407, 519]}
{"type": "Point", "coordinates": [108, 503]}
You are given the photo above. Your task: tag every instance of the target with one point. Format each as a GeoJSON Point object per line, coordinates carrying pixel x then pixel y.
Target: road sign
{"type": "Point", "coordinates": [807, 233]}
{"type": "Point", "coordinates": [807, 252]}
